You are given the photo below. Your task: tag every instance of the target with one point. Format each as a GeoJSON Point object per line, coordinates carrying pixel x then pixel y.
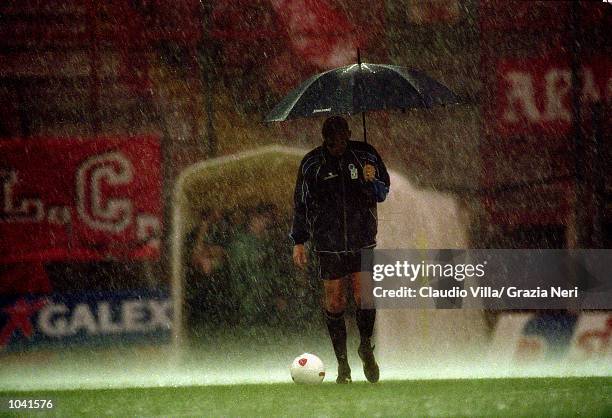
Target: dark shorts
{"type": "Point", "coordinates": [334, 266]}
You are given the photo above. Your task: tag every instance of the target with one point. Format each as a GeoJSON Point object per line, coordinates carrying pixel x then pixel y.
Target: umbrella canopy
{"type": "Point", "coordinates": [358, 88]}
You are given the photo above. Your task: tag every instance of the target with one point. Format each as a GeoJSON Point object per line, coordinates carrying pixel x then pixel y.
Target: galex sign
{"type": "Point", "coordinates": [534, 95]}
{"type": "Point", "coordinates": [84, 318]}
{"type": "Point", "coordinates": [77, 199]}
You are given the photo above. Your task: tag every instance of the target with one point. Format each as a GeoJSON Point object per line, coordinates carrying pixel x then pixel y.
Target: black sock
{"type": "Point", "coordinates": [365, 322]}
{"type": "Point", "coordinates": [337, 333]}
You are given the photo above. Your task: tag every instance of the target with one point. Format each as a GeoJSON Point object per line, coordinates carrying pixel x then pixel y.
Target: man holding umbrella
{"type": "Point", "coordinates": [338, 187]}
{"type": "Point", "coordinates": [340, 182]}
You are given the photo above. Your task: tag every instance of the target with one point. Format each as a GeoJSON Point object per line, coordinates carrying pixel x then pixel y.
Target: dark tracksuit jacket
{"type": "Point", "coordinates": [333, 205]}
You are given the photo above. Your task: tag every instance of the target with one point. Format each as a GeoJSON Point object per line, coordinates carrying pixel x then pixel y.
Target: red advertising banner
{"type": "Point", "coordinates": [534, 94]}
{"type": "Point", "coordinates": [77, 199]}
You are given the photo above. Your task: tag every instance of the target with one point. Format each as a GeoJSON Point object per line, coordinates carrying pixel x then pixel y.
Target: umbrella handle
{"type": "Point", "coordinates": [365, 138]}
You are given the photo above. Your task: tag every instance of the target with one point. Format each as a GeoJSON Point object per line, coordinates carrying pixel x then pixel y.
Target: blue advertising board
{"type": "Point", "coordinates": [84, 319]}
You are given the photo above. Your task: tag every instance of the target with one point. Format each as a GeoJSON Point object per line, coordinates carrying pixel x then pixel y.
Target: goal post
{"type": "Point", "coordinates": [261, 175]}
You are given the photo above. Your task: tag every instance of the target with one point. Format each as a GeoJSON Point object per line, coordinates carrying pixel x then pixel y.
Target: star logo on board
{"type": "Point", "coordinates": [20, 319]}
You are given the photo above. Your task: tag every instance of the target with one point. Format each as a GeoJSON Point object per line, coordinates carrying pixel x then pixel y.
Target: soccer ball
{"type": "Point", "coordinates": [308, 369]}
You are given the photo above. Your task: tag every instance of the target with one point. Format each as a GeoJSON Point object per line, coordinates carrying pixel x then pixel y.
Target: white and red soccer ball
{"type": "Point", "coordinates": [307, 369]}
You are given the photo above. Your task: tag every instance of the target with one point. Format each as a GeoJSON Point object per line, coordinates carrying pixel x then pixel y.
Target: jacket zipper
{"type": "Point", "coordinates": [343, 204]}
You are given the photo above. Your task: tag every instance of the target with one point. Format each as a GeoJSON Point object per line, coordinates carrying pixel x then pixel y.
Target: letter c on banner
{"type": "Point", "coordinates": [113, 215]}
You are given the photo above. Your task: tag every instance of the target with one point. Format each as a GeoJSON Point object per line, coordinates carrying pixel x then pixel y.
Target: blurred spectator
{"type": "Point", "coordinates": [263, 280]}
{"type": "Point", "coordinates": [249, 265]}
{"type": "Point", "coordinates": [207, 294]}
{"type": "Point", "coordinates": [207, 255]}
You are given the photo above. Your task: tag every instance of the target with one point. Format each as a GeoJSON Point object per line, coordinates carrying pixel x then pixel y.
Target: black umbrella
{"type": "Point", "coordinates": [357, 88]}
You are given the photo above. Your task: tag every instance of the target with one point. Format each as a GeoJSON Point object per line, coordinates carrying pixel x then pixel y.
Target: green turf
{"type": "Point", "coordinates": [537, 397]}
